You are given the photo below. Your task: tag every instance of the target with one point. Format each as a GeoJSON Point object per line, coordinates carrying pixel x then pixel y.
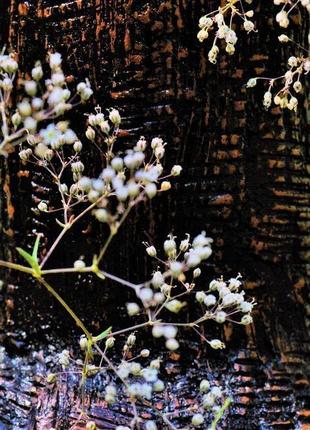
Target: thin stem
{"type": "Point", "coordinates": [66, 306]}
{"type": "Point", "coordinates": [135, 327]}
{"type": "Point", "coordinates": [14, 266]}
{"type": "Point", "coordinates": [65, 229]}
{"type": "Point", "coordinates": [56, 242]}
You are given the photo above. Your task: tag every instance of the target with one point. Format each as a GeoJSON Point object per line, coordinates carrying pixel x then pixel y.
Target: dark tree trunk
{"type": "Point", "coordinates": [245, 181]}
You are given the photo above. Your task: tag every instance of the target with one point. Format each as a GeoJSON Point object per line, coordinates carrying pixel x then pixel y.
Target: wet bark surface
{"type": "Point", "coordinates": [245, 181]}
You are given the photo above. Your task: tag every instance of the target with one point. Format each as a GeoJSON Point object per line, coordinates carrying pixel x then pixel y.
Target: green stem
{"type": "Point", "coordinates": [79, 323]}
{"type": "Point", "coordinates": [14, 266]}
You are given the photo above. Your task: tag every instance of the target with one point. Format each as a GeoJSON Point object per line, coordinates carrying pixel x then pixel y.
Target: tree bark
{"type": "Point", "coordinates": [245, 181]}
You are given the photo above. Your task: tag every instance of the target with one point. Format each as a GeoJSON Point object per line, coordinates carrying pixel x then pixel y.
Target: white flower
{"type": "Point", "coordinates": [159, 386]}
{"type": "Point", "coordinates": [297, 86]}
{"type": "Point", "coordinates": [220, 317]}
{"type": "Point", "coordinates": [246, 320]}
{"type": "Point", "coordinates": [55, 60]}
{"type": "Point", "coordinates": [283, 38]}
{"type": "Point", "coordinates": [150, 190]}
{"type": "Point", "coordinates": [212, 55]}
{"type": "Point", "coordinates": [208, 401]}
{"type": "Point", "coordinates": [200, 297]}
{"type": "Point", "coordinates": [282, 19]}
{"type": "Point", "coordinates": [30, 88]}
{"type": "Point", "coordinates": [234, 284]}
{"type": "Point", "coordinates": [37, 72]}
{"type": "Point", "coordinates": [230, 48]}
{"type": "Point", "coordinates": [204, 386]}
{"type": "Point", "coordinates": [176, 170]}
{"type": "Point", "coordinates": [172, 344]}
{"type": "Point", "coordinates": [292, 61]}
{"type": "Point", "coordinates": [174, 306]}
{"type": "Point", "coordinates": [209, 300]}
{"type": "Point", "coordinates": [150, 374]}
{"type": "Point", "coordinates": [176, 268]}
{"type": "Point", "coordinates": [245, 307]}
{"type": "Point", "coordinates": [30, 124]}
{"type": "Point", "coordinates": [170, 331]}
{"type": "Point", "coordinates": [205, 21]}
{"type": "Point", "coordinates": [115, 117]}
{"type": "Point", "coordinates": [158, 330]}
{"type": "Point", "coordinates": [79, 264]}
{"type": "Point", "coordinates": [202, 35]}
{"type": "Point", "coordinates": [170, 246]}
{"type": "Point", "coordinates": [223, 31]}
{"type": "Point", "coordinates": [42, 206]}
{"type": "Point", "coordinates": [145, 294]}
{"type": "Point", "coordinates": [151, 251]}
{"type": "Point", "coordinates": [58, 78]}
{"type": "Point", "coordinates": [24, 108]}
{"type": "Point", "coordinates": [216, 344]}
{"type": "Point", "coordinates": [292, 104]}
{"type": "Point", "coordinates": [132, 309]}
{"type": "Point", "coordinates": [55, 97]}
{"type": "Point", "coordinates": [197, 420]}
{"type": "Point", "coordinates": [248, 25]}
{"type": "Point", "coordinates": [231, 37]}
{"type": "Point", "coordinates": [158, 279]}
{"type": "Point", "coordinates": [267, 99]}
{"type": "Point", "coordinates": [307, 66]}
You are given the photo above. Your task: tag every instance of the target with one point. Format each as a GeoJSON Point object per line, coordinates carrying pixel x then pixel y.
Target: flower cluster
{"type": "Point", "coordinates": [220, 22]}
{"type": "Point", "coordinates": [283, 90]}
{"type": "Point", "coordinates": [126, 178]}
{"type": "Point", "coordinates": [43, 100]}
{"type": "Point", "coordinates": [282, 17]}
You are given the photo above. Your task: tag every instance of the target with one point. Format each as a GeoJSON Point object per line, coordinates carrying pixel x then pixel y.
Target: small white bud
{"type": "Point", "coordinates": [197, 420]}
{"type": "Point", "coordinates": [176, 170]}
{"type": "Point", "coordinates": [90, 133]}
{"type": "Point", "coordinates": [197, 272]}
{"type": "Point", "coordinates": [79, 264]}
{"type": "Point", "coordinates": [246, 320]}
{"type": "Point", "coordinates": [109, 343]}
{"type": "Point", "coordinates": [115, 117]}
{"type": "Point", "coordinates": [83, 343]}
{"type": "Point", "coordinates": [145, 353]}
{"type": "Point", "coordinates": [216, 344]}
{"type": "Point", "coordinates": [42, 206]}
{"type": "Point", "coordinates": [172, 344]}
{"type": "Point", "coordinates": [132, 309]}
{"type": "Point", "coordinates": [204, 386]}
{"type": "Point", "coordinates": [78, 146]}
{"type": "Point", "coordinates": [131, 340]}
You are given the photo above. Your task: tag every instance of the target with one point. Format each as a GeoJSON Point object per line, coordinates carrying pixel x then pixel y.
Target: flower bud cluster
{"type": "Point", "coordinates": [224, 299]}
{"type": "Point", "coordinates": [288, 86]}
{"type": "Point", "coordinates": [126, 178]}
{"type": "Point", "coordinates": [210, 400]}
{"type": "Point", "coordinates": [42, 100]}
{"type": "Point", "coordinates": [282, 17]}
{"type": "Point", "coordinates": [214, 22]}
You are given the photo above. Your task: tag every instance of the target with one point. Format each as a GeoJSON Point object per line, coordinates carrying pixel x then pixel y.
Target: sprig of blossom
{"type": "Point", "coordinates": [39, 101]}
{"type": "Point", "coordinates": [221, 22]}
{"type": "Point", "coordinates": [282, 17]}
{"type": "Point", "coordinates": [284, 90]}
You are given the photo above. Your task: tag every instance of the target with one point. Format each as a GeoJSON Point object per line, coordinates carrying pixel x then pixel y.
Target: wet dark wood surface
{"type": "Point", "coordinates": [245, 181]}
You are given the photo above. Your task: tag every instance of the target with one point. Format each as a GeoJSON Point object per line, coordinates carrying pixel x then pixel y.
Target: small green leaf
{"type": "Point", "coordinates": [102, 335]}
{"type": "Point", "coordinates": [36, 248]}
{"type": "Point", "coordinates": [30, 260]}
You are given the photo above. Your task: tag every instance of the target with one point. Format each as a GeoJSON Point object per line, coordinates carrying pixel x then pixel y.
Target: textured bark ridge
{"type": "Point", "coordinates": [246, 182]}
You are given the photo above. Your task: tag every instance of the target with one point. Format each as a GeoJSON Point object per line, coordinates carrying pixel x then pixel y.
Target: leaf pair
{"type": "Point", "coordinates": [32, 259]}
